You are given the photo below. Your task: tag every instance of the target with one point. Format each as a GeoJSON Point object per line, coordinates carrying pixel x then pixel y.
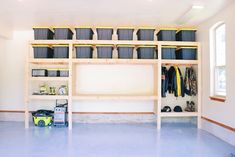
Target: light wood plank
{"type": "Point", "coordinates": [179, 62]}
{"type": "Point", "coordinates": [47, 97]}
{"type": "Point", "coordinates": [179, 114]}
{"type": "Point", "coordinates": [49, 61]}
{"type": "Point", "coordinates": [49, 78]}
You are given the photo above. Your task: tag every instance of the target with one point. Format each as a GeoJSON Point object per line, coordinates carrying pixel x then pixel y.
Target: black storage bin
{"type": "Point", "coordinates": [145, 34]}
{"type": "Point", "coordinates": [125, 33]}
{"type": "Point", "coordinates": [166, 34]}
{"type": "Point", "coordinates": [186, 53]}
{"type": "Point", "coordinates": [186, 35]}
{"type": "Point", "coordinates": [61, 51]}
{"type": "Point", "coordinates": [84, 51]}
{"type": "Point", "coordinates": [63, 33]}
{"type": "Point", "coordinates": [125, 51]}
{"type": "Point", "coordinates": [168, 52]}
{"type": "Point", "coordinates": [84, 33]}
{"type": "Point", "coordinates": [104, 51]}
{"type": "Point", "coordinates": [63, 72]}
{"type": "Point", "coordinates": [42, 51]}
{"type": "Point", "coordinates": [52, 72]}
{"type": "Point", "coordinates": [39, 72]}
{"type": "Point", "coordinates": [146, 52]}
{"type": "Point", "coordinates": [41, 33]}
{"type": "Point", "coordinates": [104, 33]}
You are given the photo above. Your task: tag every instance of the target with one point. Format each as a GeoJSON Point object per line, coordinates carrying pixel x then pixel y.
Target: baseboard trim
{"type": "Point", "coordinates": [219, 124]}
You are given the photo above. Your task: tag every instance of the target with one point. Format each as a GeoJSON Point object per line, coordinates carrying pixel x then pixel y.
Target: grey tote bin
{"type": "Point", "coordinates": [146, 52]}
{"type": "Point", "coordinates": [186, 35]}
{"type": "Point", "coordinates": [63, 33]}
{"type": "Point", "coordinates": [186, 53]}
{"type": "Point", "coordinates": [145, 34]}
{"type": "Point", "coordinates": [42, 51]}
{"type": "Point", "coordinates": [84, 33]}
{"type": "Point", "coordinates": [61, 51]}
{"type": "Point", "coordinates": [168, 52]}
{"type": "Point", "coordinates": [125, 51]}
{"type": "Point", "coordinates": [84, 51]}
{"type": "Point", "coordinates": [43, 33]}
{"type": "Point", "coordinates": [104, 51]}
{"type": "Point", "coordinates": [104, 33]}
{"type": "Point", "coordinates": [167, 34]}
{"type": "Point", "coordinates": [125, 33]}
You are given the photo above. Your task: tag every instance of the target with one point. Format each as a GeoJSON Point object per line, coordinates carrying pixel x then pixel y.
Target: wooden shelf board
{"type": "Point", "coordinates": [49, 78]}
{"type": "Point", "coordinates": [50, 42]}
{"type": "Point", "coordinates": [179, 114]}
{"type": "Point", "coordinates": [179, 62]}
{"type": "Point", "coordinates": [47, 97]}
{"type": "Point", "coordinates": [49, 61]}
{"type": "Point", "coordinates": [178, 43]}
{"type": "Point", "coordinates": [115, 61]}
{"type": "Point", "coordinates": [114, 97]}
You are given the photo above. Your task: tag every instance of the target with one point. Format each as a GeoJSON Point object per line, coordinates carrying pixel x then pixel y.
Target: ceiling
{"type": "Point", "coordinates": [23, 14]}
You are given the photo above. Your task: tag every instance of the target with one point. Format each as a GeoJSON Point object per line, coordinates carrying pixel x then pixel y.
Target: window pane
{"type": "Point", "coordinates": [220, 81]}
{"type": "Point", "coordinates": [220, 45]}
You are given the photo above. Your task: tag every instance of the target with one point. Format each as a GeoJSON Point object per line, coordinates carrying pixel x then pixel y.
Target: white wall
{"type": "Point", "coordinates": [218, 111]}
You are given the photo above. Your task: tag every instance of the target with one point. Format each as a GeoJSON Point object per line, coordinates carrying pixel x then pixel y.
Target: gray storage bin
{"type": "Point", "coordinates": [187, 53]}
{"type": "Point", "coordinates": [146, 52]}
{"type": "Point", "coordinates": [52, 72]}
{"type": "Point", "coordinates": [145, 34]}
{"type": "Point", "coordinates": [63, 72]}
{"type": "Point", "coordinates": [84, 51]}
{"type": "Point", "coordinates": [83, 33]}
{"type": "Point", "coordinates": [39, 72]}
{"type": "Point", "coordinates": [167, 34]}
{"type": "Point", "coordinates": [104, 33]}
{"type": "Point", "coordinates": [125, 33]}
{"type": "Point", "coordinates": [41, 33]}
{"type": "Point", "coordinates": [61, 51]}
{"type": "Point", "coordinates": [186, 35]}
{"type": "Point", "coordinates": [42, 51]}
{"type": "Point", "coordinates": [104, 51]}
{"type": "Point", "coordinates": [63, 33]}
{"type": "Point", "coordinates": [125, 51]}
{"type": "Point", "coordinates": [168, 52]}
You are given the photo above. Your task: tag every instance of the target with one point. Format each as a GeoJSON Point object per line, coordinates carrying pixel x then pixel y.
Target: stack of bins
{"type": "Point", "coordinates": [167, 34]}
{"type": "Point", "coordinates": [84, 33]}
{"type": "Point", "coordinates": [104, 33]}
{"type": "Point", "coordinates": [104, 51]}
{"type": "Point", "coordinates": [43, 33]}
{"type": "Point", "coordinates": [146, 52]}
{"type": "Point", "coordinates": [42, 51]}
{"type": "Point", "coordinates": [168, 52]}
{"type": "Point", "coordinates": [125, 51]}
{"type": "Point", "coordinates": [186, 53]}
{"type": "Point", "coordinates": [186, 35]}
{"type": "Point", "coordinates": [63, 33]}
{"type": "Point", "coordinates": [145, 33]}
{"type": "Point", "coordinates": [84, 51]}
{"type": "Point", "coordinates": [61, 51]}
{"type": "Point", "coordinates": [125, 33]}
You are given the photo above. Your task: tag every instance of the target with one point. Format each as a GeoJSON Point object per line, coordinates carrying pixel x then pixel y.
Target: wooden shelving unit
{"type": "Point", "coordinates": [70, 62]}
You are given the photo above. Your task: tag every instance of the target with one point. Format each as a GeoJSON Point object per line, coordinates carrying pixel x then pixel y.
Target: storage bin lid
{"type": "Point", "coordinates": [147, 28]}
{"type": "Point", "coordinates": [80, 45]}
{"type": "Point", "coordinates": [42, 27]}
{"type": "Point", "coordinates": [52, 69]}
{"type": "Point", "coordinates": [104, 45]}
{"type": "Point", "coordinates": [66, 27]}
{"type": "Point", "coordinates": [64, 45]}
{"type": "Point", "coordinates": [61, 69]}
{"type": "Point", "coordinates": [104, 27]}
{"type": "Point", "coordinates": [125, 28]}
{"type": "Point", "coordinates": [125, 46]}
{"type": "Point", "coordinates": [145, 46]}
{"type": "Point", "coordinates": [40, 45]}
{"type": "Point", "coordinates": [170, 47]}
{"type": "Point", "coordinates": [186, 29]}
{"type": "Point", "coordinates": [168, 29]}
{"type": "Point", "coordinates": [187, 48]}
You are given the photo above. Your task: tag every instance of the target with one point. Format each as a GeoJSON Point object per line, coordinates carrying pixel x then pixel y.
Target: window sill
{"type": "Point", "coordinates": [218, 98]}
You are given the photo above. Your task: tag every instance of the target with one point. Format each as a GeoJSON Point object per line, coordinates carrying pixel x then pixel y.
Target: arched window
{"type": "Point", "coordinates": [218, 59]}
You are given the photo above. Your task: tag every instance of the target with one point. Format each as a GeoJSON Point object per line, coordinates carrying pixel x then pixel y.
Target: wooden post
{"type": "Point", "coordinates": [70, 85]}
{"type": "Point", "coordinates": [159, 81]}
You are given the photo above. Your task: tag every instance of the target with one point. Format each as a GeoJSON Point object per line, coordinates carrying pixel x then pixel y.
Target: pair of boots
{"type": "Point", "coordinates": [190, 107]}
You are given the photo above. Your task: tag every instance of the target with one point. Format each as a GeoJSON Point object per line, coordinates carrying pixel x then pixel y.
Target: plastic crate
{"type": "Point", "coordinates": [168, 52]}
{"type": "Point", "coordinates": [125, 51]}
{"type": "Point", "coordinates": [61, 51]}
{"type": "Point", "coordinates": [63, 33]}
{"type": "Point", "coordinates": [42, 51]}
{"type": "Point", "coordinates": [61, 114]}
{"type": "Point", "coordinates": [104, 51]}
{"type": "Point", "coordinates": [84, 51]}
{"type": "Point", "coordinates": [84, 33]}
{"type": "Point", "coordinates": [39, 72]}
{"type": "Point", "coordinates": [167, 34]}
{"type": "Point", "coordinates": [104, 33]}
{"type": "Point", "coordinates": [146, 52]}
{"type": "Point", "coordinates": [125, 33]}
{"type": "Point", "coordinates": [63, 72]}
{"type": "Point", "coordinates": [41, 33]}
{"type": "Point", "coordinates": [186, 53]}
{"type": "Point", "coordinates": [145, 34]}
{"type": "Point", "coordinates": [186, 35]}
{"type": "Point", "coordinates": [52, 72]}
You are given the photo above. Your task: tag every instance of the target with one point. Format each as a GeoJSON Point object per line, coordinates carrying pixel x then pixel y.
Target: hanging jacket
{"type": "Point", "coordinates": [164, 81]}
{"type": "Point", "coordinates": [190, 82]}
{"type": "Point", "coordinates": [175, 82]}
